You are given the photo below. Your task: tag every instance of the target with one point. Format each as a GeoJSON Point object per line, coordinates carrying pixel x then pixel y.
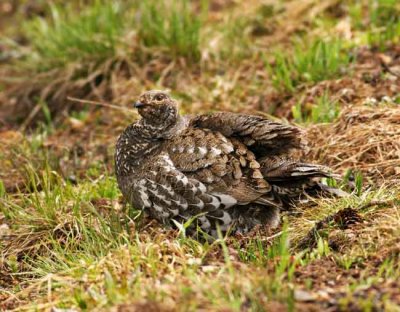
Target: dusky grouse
{"type": "Point", "coordinates": [224, 168]}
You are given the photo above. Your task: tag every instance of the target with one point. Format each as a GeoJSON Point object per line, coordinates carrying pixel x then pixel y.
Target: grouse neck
{"type": "Point", "coordinates": [166, 129]}
{"type": "Point", "coordinates": [141, 140]}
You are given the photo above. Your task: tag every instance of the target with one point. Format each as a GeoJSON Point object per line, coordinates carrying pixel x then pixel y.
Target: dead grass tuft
{"type": "Point", "coordinates": [364, 138]}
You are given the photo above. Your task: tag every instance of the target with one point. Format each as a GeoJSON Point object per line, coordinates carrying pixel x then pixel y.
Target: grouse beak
{"type": "Point", "coordinates": [138, 104]}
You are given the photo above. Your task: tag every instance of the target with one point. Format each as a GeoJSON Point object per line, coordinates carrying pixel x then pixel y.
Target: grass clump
{"type": "Point", "coordinates": [67, 37]}
{"type": "Point", "coordinates": [324, 60]}
{"type": "Point", "coordinates": [325, 110]}
{"type": "Point", "coordinates": [72, 52]}
{"type": "Point", "coordinates": [379, 35]}
{"type": "Point", "coordinates": [382, 12]}
{"type": "Point", "coordinates": [379, 19]}
{"type": "Point", "coordinates": [171, 25]}
{"type": "Point", "coordinates": [376, 157]}
{"type": "Point", "coordinates": [58, 223]}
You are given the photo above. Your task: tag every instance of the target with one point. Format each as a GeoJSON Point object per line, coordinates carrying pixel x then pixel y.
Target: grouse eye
{"type": "Point", "coordinates": [159, 97]}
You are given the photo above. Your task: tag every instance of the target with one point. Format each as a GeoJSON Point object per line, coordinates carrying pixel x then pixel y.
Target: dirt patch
{"type": "Point", "coordinates": [325, 273]}
{"type": "Point", "coordinates": [330, 287]}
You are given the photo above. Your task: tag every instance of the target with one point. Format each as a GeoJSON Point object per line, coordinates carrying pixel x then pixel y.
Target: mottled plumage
{"type": "Point", "coordinates": [228, 169]}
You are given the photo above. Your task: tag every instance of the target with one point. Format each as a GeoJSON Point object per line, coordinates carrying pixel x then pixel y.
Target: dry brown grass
{"type": "Point", "coordinates": [364, 138]}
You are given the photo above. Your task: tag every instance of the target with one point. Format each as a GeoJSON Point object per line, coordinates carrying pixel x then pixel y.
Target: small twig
{"type": "Point", "coordinates": [30, 117]}
{"type": "Point", "coordinates": [269, 238]}
{"type": "Point", "coordinates": [99, 104]}
{"type": "Point", "coordinates": [37, 108]}
{"type": "Point", "coordinates": [389, 70]}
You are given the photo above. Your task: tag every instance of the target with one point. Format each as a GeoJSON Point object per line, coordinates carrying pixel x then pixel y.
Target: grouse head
{"type": "Point", "coordinates": [157, 107]}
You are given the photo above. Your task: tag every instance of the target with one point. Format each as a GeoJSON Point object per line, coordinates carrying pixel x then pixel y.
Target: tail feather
{"type": "Point", "coordinates": [292, 180]}
{"type": "Point", "coordinates": [325, 189]}
{"type": "Point", "coordinates": [280, 169]}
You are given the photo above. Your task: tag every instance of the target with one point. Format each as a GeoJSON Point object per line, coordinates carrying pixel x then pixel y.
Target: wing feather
{"type": "Point", "coordinates": [261, 135]}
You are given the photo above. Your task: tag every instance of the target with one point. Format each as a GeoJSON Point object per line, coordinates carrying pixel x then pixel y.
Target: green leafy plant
{"type": "Point", "coordinates": [92, 35]}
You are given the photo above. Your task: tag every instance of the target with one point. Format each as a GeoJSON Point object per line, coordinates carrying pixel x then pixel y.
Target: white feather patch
{"type": "Point", "coordinates": [202, 187]}
{"type": "Point", "coordinates": [215, 202]}
{"type": "Point", "coordinates": [174, 212]}
{"type": "Point", "coordinates": [144, 197]}
{"type": "Point", "coordinates": [226, 218]}
{"type": "Point", "coordinates": [199, 204]}
{"type": "Point", "coordinates": [205, 223]}
{"type": "Point", "coordinates": [215, 151]}
{"type": "Point", "coordinates": [168, 188]}
{"type": "Point", "coordinates": [202, 151]}
{"type": "Point", "coordinates": [183, 204]}
{"type": "Point", "coordinates": [183, 179]}
{"type": "Point", "coordinates": [158, 208]}
{"type": "Point", "coordinates": [168, 161]}
{"type": "Point", "coordinates": [227, 200]}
